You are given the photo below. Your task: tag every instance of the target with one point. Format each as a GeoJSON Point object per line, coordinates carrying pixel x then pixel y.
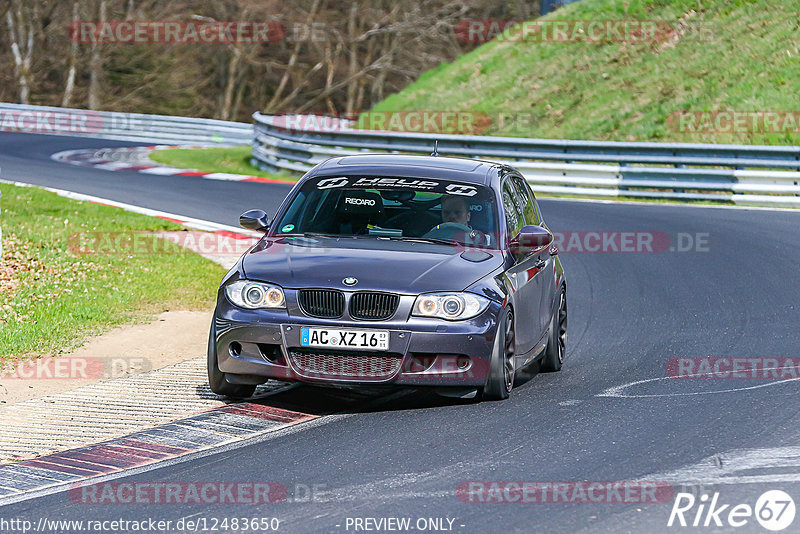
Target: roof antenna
{"type": "Point", "coordinates": [435, 152]}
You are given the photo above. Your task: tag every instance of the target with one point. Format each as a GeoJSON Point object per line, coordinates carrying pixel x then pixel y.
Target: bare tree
{"type": "Point", "coordinates": [73, 59]}
{"type": "Point", "coordinates": [95, 64]}
{"type": "Point", "coordinates": [20, 33]}
{"type": "Point", "coordinates": [337, 55]}
{"type": "Point", "coordinates": [352, 21]}
{"type": "Point", "coordinates": [233, 66]}
{"type": "Point", "coordinates": [292, 60]}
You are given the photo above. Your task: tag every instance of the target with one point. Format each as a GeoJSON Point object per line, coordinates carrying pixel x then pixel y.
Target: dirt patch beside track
{"type": "Point", "coordinates": [174, 337]}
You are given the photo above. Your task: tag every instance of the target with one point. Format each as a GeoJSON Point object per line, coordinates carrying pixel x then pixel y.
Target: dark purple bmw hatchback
{"type": "Point", "coordinates": [394, 270]}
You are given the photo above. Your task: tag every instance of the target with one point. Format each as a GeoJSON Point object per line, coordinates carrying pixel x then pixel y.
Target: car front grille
{"type": "Point", "coordinates": [373, 306]}
{"type": "Point", "coordinates": [324, 303]}
{"type": "Point", "coordinates": [345, 365]}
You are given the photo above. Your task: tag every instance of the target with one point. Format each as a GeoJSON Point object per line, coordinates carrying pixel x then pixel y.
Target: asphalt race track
{"type": "Point", "coordinates": [404, 455]}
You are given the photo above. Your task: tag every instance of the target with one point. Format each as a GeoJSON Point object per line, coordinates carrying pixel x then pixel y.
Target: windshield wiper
{"type": "Point", "coordinates": [423, 240]}
{"type": "Point", "coordinates": [368, 236]}
{"type": "Point", "coordinates": [337, 236]}
{"type": "Point", "coordinates": [312, 234]}
{"type": "Point", "coordinates": [319, 234]}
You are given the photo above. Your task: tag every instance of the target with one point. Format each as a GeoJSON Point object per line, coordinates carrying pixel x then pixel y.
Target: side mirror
{"type": "Point", "coordinates": [254, 220]}
{"type": "Point", "coordinates": [530, 238]}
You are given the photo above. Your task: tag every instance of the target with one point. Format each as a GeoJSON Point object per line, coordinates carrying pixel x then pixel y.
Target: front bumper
{"type": "Point", "coordinates": [422, 352]}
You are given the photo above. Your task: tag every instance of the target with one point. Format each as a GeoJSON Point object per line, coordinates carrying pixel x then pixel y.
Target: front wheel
{"type": "Point", "coordinates": [502, 367]}
{"type": "Point", "coordinates": [557, 342]}
{"type": "Point", "coordinates": [216, 378]}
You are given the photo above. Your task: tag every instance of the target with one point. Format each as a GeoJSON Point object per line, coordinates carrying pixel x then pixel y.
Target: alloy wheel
{"type": "Point", "coordinates": [562, 327]}
{"type": "Point", "coordinates": [508, 353]}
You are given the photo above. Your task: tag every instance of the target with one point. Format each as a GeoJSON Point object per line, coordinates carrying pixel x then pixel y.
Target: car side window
{"type": "Point", "coordinates": [514, 218]}
{"type": "Point", "coordinates": [535, 204]}
{"type": "Point", "coordinates": [529, 209]}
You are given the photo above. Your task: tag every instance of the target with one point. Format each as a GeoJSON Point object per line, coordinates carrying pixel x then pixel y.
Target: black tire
{"type": "Point", "coordinates": [216, 378]}
{"type": "Point", "coordinates": [501, 368]}
{"type": "Point", "coordinates": [557, 342]}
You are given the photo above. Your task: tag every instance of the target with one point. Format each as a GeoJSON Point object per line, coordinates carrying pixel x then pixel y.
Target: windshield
{"type": "Point", "coordinates": [397, 208]}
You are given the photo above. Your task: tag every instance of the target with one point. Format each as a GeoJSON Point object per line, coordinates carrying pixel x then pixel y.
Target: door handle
{"type": "Point", "coordinates": [540, 263]}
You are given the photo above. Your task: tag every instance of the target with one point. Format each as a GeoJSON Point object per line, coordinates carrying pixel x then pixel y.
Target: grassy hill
{"type": "Point", "coordinates": [722, 55]}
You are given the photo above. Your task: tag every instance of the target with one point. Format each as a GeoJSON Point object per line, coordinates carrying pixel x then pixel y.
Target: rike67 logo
{"type": "Point", "coordinates": [774, 510]}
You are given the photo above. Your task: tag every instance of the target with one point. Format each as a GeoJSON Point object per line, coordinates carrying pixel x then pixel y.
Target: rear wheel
{"type": "Point", "coordinates": [557, 343]}
{"type": "Point", "coordinates": [502, 367]}
{"type": "Point", "coordinates": [216, 378]}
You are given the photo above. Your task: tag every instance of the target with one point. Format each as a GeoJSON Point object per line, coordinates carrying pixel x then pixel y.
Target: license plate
{"type": "Point", "coordinates": [344, 338]}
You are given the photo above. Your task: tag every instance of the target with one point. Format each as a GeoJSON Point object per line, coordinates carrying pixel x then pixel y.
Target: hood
{"type": "Point", "coordinates": [378, 265]}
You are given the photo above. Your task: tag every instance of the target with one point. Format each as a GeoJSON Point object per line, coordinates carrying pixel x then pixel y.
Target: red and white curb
{"type": "Point", "coordinates": [207, 431]}
{"type": "Point", "coordinates": [106, 410]}
{"type": "Point", "coordinates": [139, 421]}
{"type": "Point", "coordinates": [137, 159]}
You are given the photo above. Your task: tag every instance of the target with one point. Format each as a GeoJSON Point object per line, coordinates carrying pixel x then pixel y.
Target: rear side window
{"type": "Point", "coordinates": [513, 209]}
{"type": "Point", "coordinates": [529, 208]}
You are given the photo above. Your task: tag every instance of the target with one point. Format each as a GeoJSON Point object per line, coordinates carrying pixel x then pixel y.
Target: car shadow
{"type": "Point", "coordinates": [322, 400]}
{"type": "Point", "coordinates": [526, 374]}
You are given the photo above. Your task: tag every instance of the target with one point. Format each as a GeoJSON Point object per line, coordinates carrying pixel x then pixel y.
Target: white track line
{"type": "Point", "coordinates": [619, 391]}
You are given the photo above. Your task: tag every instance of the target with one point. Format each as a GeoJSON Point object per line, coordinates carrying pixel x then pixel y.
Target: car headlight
{"type": "Point", "coordinates": [450, 306]}
{"type": "Point", "coordinates": [254, 295]}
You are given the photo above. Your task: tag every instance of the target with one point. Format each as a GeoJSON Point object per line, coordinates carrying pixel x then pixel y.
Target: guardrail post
{"type": "Point", "coordinates": [679, 166]}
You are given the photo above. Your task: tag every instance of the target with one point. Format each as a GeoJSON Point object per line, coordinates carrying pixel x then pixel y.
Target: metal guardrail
{"type": "Point", "coordinates": [743, 174]}
{"type": "Point", "coordinates": [122, 126]}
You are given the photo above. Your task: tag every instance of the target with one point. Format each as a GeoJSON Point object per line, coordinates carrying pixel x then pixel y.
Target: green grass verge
{"type": "Point", "coordinates": [234, 159]}
{"type": "Point", "coordinates": [52, 298]}
{"type": "Point", "coordinates": [739, 55]}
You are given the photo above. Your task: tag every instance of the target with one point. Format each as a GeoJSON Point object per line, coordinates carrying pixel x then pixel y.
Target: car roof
{"type": "Point", "coordinates": [460, 169]}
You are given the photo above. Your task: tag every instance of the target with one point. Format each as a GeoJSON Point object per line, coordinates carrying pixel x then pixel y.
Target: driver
{"type": "Point", "coordinates": [455, 221]}
{"type": "Point", "coordinates": [455, 209]}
